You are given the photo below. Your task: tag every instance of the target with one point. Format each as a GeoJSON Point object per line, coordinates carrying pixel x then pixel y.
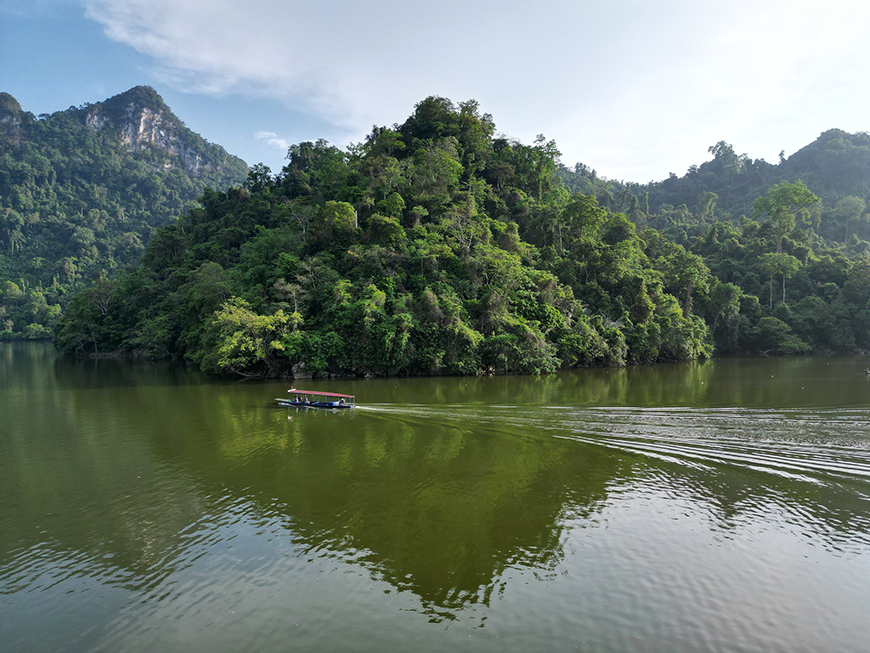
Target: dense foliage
{"type": "Point", "coordinates": [433, 247]}
{"type": "Point", "coordinates": [438, 246]}
{"type": "Point", "coordinates": [81, 191]}
{"type": "Point", "coordinates": [804, 221]}
{"type": "Point", "coordinates": [835, 167]}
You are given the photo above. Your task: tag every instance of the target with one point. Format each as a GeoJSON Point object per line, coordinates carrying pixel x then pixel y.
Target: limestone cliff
{"type": "Point", "coordinates": [11, 115]}
{"type": "Point", "coordinates": [143, 121]}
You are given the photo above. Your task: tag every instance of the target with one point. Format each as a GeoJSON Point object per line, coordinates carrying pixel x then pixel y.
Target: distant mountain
{"type": "Point", "coordinates": [836, 167]}
{"type": "Point", "coordinates": [82, 190]}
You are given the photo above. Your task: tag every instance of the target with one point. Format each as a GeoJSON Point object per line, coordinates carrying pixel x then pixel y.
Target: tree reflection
{"type": "Point", "coordinates": [434, 507]}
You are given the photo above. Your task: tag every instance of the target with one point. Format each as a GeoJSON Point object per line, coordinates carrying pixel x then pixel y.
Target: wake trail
{"type": "Point", "coordinates": [806, 444]}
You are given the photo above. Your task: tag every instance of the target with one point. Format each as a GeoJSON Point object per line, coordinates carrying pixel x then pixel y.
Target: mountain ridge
{"type": "Point", "coordinates": [81, 191]}
{"type": "Point", "coordinates": [835, 166]}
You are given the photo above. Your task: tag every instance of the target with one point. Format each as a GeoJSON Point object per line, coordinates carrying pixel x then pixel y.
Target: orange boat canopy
{"type": "Point", "coordinates": [318, 394]}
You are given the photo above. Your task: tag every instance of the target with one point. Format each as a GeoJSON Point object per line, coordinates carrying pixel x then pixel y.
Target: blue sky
{"type": "Point", "coordinates": [634, 88]}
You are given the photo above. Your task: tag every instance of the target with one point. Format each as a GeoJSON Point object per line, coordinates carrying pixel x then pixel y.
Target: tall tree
{"type": "Point", "coordinates": [779, 263]}
{"type": "Point", "coordinates": [782, 204]}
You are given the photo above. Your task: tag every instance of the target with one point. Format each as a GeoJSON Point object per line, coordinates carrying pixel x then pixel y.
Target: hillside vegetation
{"type": "Point", "coordinates": [835, 167]}
{"type": "Point", "coordinates": [438, 246]}
{"type": "Point", "coordinates": [82, 190]}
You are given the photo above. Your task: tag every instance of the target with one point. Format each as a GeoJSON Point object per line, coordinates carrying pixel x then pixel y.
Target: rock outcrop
{"type": "Point", "coordinates": [11, 115]}
{"type": "Point", "coordinates": [143, 121]}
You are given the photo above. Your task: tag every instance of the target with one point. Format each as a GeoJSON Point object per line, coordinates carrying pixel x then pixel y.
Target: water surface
{"type": "Point", "coordinates": [708, 506]}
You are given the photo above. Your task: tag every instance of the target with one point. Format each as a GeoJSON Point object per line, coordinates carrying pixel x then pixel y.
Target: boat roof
{"type": "Point", "coordinates": [319, 394]}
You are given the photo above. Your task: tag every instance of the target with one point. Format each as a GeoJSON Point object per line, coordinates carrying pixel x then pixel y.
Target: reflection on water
{"type": "Point", "coordinates": [665, 508]}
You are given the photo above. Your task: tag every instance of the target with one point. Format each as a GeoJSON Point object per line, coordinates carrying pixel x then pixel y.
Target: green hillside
{"type": "Point", "coordinates": [81, 192]}
{"type": "Point", "coordinates": [835, 167]}
{"type": "Point", "coordinates": [439, 247]}
{"type": "Point", "coordinates": [432, 247]}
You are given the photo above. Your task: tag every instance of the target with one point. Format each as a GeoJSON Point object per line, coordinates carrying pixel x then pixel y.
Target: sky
{"type": "Point", "coordinates": [636, 89]}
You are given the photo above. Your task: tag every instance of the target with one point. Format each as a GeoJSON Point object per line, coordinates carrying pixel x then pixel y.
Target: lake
{"type": "Point", "coordinates": [720, 505]}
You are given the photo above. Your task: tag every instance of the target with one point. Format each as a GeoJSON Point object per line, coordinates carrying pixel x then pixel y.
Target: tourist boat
{"type": "Point", "coordinates": [309, 399]}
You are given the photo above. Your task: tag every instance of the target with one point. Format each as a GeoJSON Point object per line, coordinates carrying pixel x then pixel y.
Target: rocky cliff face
{"type": "Point", "coordinates": [143, 121]}
{"type": "Point", "coordinates": [10, 115]}
{"type": "Point", "coordinates": [144, 127]}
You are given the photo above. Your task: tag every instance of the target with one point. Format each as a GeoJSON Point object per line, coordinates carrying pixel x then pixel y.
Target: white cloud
{"type": "Point", "coordinates": [635, 89]}
{"type": "Point", "coordinates": [271, 139]}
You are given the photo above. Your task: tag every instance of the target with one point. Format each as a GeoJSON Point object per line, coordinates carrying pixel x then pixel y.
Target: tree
{"type": "Point", "coordinates": [782, 203]}
{"type": "Point", "coordinates": [582, 217]}
{"type": "Point", "coordinates": [546, 157]}
{"type": "Point", "coordinates": [335, 220]}
{"type": "Point", "coordinates": [690, 271]}
{"type": "Point", "coordinates": [849, 211]}
{"type": "Point", "coordinates": [11, 223]}
{"type": "Point", "coordinates": [779, 263]}
{"type": "Point", "coordinates": [683, 270]}
{"type": "Point", "coordinates": [243, 342]}
{"type": "Point", "coordinates": [301, 212]}
{"type": "Point", "coordinates": [772, 334]}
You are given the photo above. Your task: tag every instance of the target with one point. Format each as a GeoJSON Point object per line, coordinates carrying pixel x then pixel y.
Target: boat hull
{"type": "Point", "coordinates": [312, 404]}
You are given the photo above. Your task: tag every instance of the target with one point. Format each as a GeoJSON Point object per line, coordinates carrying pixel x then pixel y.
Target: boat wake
{"type": "Point", "coordinates": [810, 445]}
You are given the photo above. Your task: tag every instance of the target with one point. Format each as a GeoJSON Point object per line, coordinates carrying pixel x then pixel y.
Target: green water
{"type": "Point", "coordinates": [712, 506]}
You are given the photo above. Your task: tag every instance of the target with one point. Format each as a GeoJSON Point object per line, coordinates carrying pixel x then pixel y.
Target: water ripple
{"type": "Point", "coordinates": [805, 445]}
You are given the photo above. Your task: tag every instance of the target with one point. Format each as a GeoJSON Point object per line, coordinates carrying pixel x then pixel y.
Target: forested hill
{"type": "Point", "coordinates": [437, 246]}
{"type": "Point", "coordinates": [82, 190]}
{"type": "Point", "coordinates": [835, 167]}
{"type": "Point", "coordinates": [432, 247]}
